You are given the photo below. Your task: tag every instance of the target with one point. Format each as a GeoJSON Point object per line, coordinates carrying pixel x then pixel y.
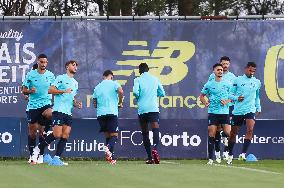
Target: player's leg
{"type": "Point", "coordinates": [66, 129]}
{"type": "Point", "coordinates": [218, 143]}
{"type": "Point", "coordinates": [47, 119]}
{"type": "Point", "coordinates": [153, 118]}
{"type": "Point", "coordinates": [145, 134]}
{"type": "Point", "coordinates": [112, 127]}
{"type": "Point", "coordinates": [32, 132]}
{"type": "Point", "coordinates": [227, 132]}
{"type": "Point", "coordinates": [250, 122]}
{"type": "Point", "coordinates": [57, 133]}
{"type": "Point", "coordinates": [103, 128]}
{"type": "Point", "coordinates": [237, 121]}
{"type": "Point", "coordinates": [212, 129]}
{"type": "Point", "coordinates": [225, 138]}
{"type": "Point", "coordinates": [33, 116]}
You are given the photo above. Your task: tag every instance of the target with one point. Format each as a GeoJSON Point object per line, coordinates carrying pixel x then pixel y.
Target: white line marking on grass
{"type": "Point", "coordinates": [249, 169]}
{"type": "Point", "coordinates": [170, 162]}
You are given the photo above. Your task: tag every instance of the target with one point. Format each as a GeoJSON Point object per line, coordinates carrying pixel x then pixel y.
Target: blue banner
{"type": "Point", "coordinates": [179, 53]}
{"type": "Point", "coordinates": [187, 139]}
{"type": "Point", "coordinates": [180, 139]}
{"type": "Point", "coordinates": [10, 133]}
{"type": "Point", "coordinates": [268, 139]}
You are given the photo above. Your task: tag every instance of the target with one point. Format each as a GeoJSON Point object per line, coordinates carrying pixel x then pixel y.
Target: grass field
{"type": "Point", "coordinates": [136, 174]}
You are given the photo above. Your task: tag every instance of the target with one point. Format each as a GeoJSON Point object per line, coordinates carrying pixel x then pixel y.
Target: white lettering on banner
{"type": "Point", "coordinates": [15, 60]}
{"type": "Point", "coordinates": [127, 135]}
{"type": "Point", "coordinates": [11, 34]}
{"type": "Point", "coordinates": [80, 146]}
{"type": "Point", "coordinates": [166, 139]}
{"type": "Point", "coordinates": [6, 94]}
{"type": "Point", "coordinates": [6, 137]}
{"type": "Point", "coordinates": [262, 139]}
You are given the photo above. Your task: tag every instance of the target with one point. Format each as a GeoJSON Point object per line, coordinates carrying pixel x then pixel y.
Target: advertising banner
{"type": "Point", "coordinates": [182, 141]}
{"type": "Point", "coordinates": [186, 139]}
{"type": "Point", "coordinates": [179, 53]}
{"type": "Point", "coordinates": [10, 133]}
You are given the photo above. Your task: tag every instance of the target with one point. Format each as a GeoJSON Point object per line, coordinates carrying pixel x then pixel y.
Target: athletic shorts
{"type": "Point", "coordinates": [59, 118]}
{"type": "Point", "coordinates": [149, 117]}
{"type": "Point", "coordinates": [218, 119]}
{"type": "Point", "coordinates": [35, 115]}
{"type": "Point", "coordinates": [239, 120]}
{"type": "Point", "coordinates": [108, 123]}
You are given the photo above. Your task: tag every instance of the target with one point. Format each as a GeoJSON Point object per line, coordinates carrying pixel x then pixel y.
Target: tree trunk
{"type": "Point", "coordinates": [114, 7]}
{"type": "Point", "coordinates": [185, 7]}
{"type": "Point", "coordinates": [66, 8]}
{"type": "Point", "coordinates": [126, 7]}
{"type": "Point", "coordinates": [101, 6]}
{"type": "Point", "coordinates": [22, 10]}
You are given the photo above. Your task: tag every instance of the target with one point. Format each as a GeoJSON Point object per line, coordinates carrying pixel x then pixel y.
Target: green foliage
{"type": "Point", "coordinates": [141, 7]}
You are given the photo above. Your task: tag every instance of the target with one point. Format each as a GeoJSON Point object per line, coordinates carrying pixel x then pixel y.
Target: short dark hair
{"type": "Point", "coordinates": [143, 67]}
{"type": "Point", "coordinates": [41, 56]}
{"type": "Point", "coordinates": [70, 62]}
{"type": "Point", "coordinates": [107, 72]}
{"type": "Point", "coordinates": [35, 66]}
{"type": "Point", "coordinates": [224, 58]}
{"type": "Point", "coordinates": [251, 64]}
{"type": "Point", "coordinates": [217, 65]}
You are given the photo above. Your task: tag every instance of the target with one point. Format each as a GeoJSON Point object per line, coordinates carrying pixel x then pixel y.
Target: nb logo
{"type": "Point", "coordinates": [166, 61]}
{"type": "Point", "coordinates": [271, 73]}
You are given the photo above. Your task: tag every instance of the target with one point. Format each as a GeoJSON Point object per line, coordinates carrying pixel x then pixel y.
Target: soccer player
{"type": "Point", "coordinates": [64, 90]}
{"type": "Point", "coordinates": [225, 133]}
{"type": "Point", "coordinates": [108, 97]}
{"type": "Point", "coordinates": [36, 86]}
{"type": "Point", "coordinates": [217, 91]}
{"type": "Point", "coordinates": [245, 92]}
{"type": "Point", "coordinates": [146, 89]}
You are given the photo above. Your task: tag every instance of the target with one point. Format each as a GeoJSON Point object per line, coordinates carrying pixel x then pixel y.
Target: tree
{"type": "Point", "coordinates": [13, 7]}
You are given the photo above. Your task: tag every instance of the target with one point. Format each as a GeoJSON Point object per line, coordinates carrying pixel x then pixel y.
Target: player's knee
{"type": "Point", "coordinates": [113, 134]}
{"type": "Point", "coordinates": [66, 136]}
{"type": "Point", "coordinates": [32, 135]}
{"type": "Point", "coordinates": [57, 134]}
{"type": "Point", "coordinates": [249, 133]}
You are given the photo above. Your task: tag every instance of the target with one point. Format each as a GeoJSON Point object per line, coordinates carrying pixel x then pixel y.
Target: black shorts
{"type": "Point", "coordinates": [239, 120]}
{"type": "Point", "coordinates": [59, 118]}
{"type": "Point", "coordinates": [108, 123]}
{"type": "Point", "coordinates": [35, 115]}
{"type": "Point", "coordinates": [149, 117]}
{"type": "Point", "coordinates": [218, 119]}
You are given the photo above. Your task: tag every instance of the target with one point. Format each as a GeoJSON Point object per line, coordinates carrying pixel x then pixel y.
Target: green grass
{"type": "Point", "coordinates": [136, 174]}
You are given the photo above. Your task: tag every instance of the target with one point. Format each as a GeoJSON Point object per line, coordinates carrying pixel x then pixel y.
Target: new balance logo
{"type": "Point", "coordinates": [167, 60]}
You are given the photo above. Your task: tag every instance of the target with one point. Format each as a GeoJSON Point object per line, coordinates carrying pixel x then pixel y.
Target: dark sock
{"type": "Point", "coordinates": [226, 148]}
{"type": "Point", "coordinates": [156, 137]}
{"type": "Point", "coordinates": [41, 139]}
{"type": "Point", "coordinates": [211, 143]}
{"type": "Point", "coordinates": [217, 141]}
{"type": "Point", "coordinates": [224, 134]}
{"type": "Point", "coordinates": [111, 143]}
{"type": "Point", "coordinates": [231, 147]}
{"type": "Point", "coordinates": [60, 146]}
{"type": "Point", "coordinates": [246, 145]}
{"type": "Point", "coordinates": [50, 138]}
{"type": "Point", "coordinates": [147, 144]}
{"type": "Point", "coordinates": [107, 140]}
{"type": "Point", "coordinates": [31, 144]}
{"type": "Point", "coordinates": [46, 128]}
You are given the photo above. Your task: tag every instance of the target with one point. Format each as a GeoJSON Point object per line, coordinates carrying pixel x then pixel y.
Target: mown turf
{"type": "Point", "coordinates": [136, 174]}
